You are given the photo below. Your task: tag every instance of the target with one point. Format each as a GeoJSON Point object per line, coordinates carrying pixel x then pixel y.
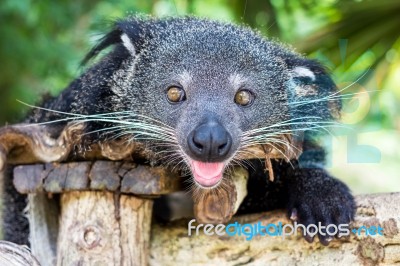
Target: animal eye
{"type": "Point", "coordinates": [176, 94]}
{"type": "Point", "coordinates": [244, 98]}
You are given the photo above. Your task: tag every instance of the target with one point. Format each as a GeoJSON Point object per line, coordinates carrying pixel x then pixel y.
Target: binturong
{"type": "Point", "coordinates": [199, 94]}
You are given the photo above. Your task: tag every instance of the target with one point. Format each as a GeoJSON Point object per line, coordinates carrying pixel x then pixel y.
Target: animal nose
{"type": "Point", "coordinates": [210, 142]}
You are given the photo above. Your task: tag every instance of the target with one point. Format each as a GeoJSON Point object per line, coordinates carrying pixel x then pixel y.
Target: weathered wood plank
{"type": "Point", "coordinates": [77, 175]}
{"type": "Point", "coordinates": [104, 175]}
{"type": "Point", "coordinates": [89, 231]}
{"type": "Point", "coordinates": [125, 177]}
{"type": "Point", "coordinates": [43, 214]}
{"type": "Point", "coordinates": [135, 224]}
{"type": "Point", "coordinates": [144, 180]}
{"type": "Point", "coordinates": [27, 180]}
{"type": "Point", "coordinates": [100, 228]}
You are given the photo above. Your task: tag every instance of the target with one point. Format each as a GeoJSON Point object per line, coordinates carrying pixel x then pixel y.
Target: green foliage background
{"type": "Point", "coordinates": [42, 43]}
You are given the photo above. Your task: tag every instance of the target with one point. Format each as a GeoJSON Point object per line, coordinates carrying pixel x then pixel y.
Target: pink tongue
{"type": "Point", "coordinates": [207, 174]}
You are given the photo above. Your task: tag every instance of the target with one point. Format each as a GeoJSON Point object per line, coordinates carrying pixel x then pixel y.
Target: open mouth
{"type": "Point", "coordinates": [207, 174]}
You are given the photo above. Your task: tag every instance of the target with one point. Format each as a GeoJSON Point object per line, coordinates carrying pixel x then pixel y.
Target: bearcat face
{"type": "Point", "coordinates": [204, 91]}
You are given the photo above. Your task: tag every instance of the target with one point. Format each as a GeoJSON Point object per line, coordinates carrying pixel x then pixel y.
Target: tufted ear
{"type": "Point", "coordinates": [310, 77]}
{"type": "Point", "coordinates": [128, 33]}
{"type": "Point", "coordinates": [311, 89]}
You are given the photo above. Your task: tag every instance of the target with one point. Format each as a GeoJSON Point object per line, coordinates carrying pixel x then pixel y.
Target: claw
{"type": "Point", "coordinates": [293, 215]}
{"type": "Point", "coordinates": [326, 241]}
{"type": "Point", "coordinates": [309, 238]}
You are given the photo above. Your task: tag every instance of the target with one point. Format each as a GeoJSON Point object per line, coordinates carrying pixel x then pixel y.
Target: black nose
{"type": "Point", "coordinates": [210, 142]}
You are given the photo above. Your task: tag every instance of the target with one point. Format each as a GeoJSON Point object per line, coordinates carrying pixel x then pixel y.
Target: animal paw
{"type": "Point", "coordinates": [322, 202]}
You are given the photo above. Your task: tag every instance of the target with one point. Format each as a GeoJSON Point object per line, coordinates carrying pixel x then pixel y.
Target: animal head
{"type": "Point", "coordinates": [203, 91]}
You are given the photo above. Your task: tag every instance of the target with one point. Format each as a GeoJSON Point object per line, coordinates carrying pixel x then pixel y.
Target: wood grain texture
{"type": "Point", "coordinates": [32, 143]}
{"type": "Point", "coordinates": [101, 228]}
{"type": "Point", "coordinates": [119, 176]}
{"type": "Point", "coordinates": [43, 214]}
{"type": "Point", "coordinates": [171, 244]}
{"type": "Point", "coordinates": [16, 255]}
{"type": "Point", "coordinates": [95, 236]}
{"type": "Point", "coordinates": [218, 206]}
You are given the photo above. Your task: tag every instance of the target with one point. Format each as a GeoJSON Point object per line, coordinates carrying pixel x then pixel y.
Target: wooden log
{"type": "Point", "coordinates": [16, 255]}
{"type": "Point", "coordinates": [35, 143]}
{"type": "Point", "coordinates": [216, 206]}
{"type": "Point", "coordinates": [171, 244]}
{"type": "Point", "coordinates": [100, 228]}
{"type": "Point", "coordinates": [209, 206]}
{"type": "Point", "coordinates": [28, 143]}
{"type": "Point", "coordinates": [43, 214]}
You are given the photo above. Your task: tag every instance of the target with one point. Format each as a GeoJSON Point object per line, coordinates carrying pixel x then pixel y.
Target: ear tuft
{"type": "Point", "coordinates": [301, 71]}
{"type": "Point", "coordinates": [311, 80]}
{"type": "Point", "coordinates": [109, 39]}
{"type": "Point", "coordinates": [305, 85]}
{"type": "Point", "coordinates": [126, 41]}
{"type": "Point", "coordinates": [127, 33]}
